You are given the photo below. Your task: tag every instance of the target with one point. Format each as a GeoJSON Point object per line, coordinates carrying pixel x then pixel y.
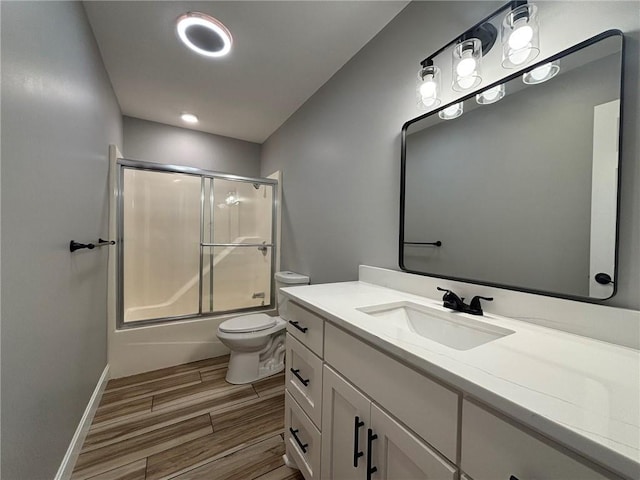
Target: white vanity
{"type": "Point", "coordinates": [371, 396]}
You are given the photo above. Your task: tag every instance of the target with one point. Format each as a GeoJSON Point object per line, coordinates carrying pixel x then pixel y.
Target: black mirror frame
{"type": "Point", "coordinates": [579, 46]}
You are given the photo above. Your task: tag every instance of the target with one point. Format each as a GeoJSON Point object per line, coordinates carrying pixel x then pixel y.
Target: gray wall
{"type": "Point", "coordinates": [340, 152]}
{"type": "Point", "coordinates": [515, 210]}
{"type": "Point", "coordinates": [59, 115]}
{"type": "Point", "coordinates": [160, 143]}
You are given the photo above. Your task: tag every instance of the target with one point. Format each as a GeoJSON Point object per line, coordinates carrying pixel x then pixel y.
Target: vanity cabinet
{"type": "Point", "coordinates": [355, 412]}
{"type": "Point", "coordinates": [360, 441]}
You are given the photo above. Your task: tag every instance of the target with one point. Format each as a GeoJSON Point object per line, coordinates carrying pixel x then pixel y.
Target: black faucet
{"type": "Point", "coordinates": [452, 301]}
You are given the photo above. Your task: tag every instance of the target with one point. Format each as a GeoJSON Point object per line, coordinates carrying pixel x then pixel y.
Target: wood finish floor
{"type": "Point", "coordinates": [187, 423]}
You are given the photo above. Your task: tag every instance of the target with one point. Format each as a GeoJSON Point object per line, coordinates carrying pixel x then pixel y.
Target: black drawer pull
{"type": "Point", "coordinates": [370, 438]}
{"type": "Point", "coordinates": [356, 450]}
{"type": "Point", "coordinates": [300, 444]}
{"type": "Point", "coordinates": [296, 372]}
{"type": "Point", "coordinates": [297, 325]}
{"type": "Point", "coordinates": [513, 477]}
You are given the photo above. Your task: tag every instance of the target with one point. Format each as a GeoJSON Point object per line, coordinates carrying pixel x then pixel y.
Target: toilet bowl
{"type": "Point", "coordinates": [257, 341]}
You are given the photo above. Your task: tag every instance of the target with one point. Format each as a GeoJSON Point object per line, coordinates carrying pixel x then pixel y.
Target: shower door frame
{"type": "Point", "coordinates": [124, 164]}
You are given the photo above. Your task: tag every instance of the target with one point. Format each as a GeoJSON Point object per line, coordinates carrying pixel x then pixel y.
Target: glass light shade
{"type": "Point", "coordinates": [542, 73]}
{"type": "Point", "coordinates": [467, 59]}
{"type": "Point", "coordinates": [451, 112]}
{"type": "Point", "coordinates": [519, 36]}
{"type": "Point", "coordinates": [428, 87]}
{"type": "Point", "coordinates": [492, 95]}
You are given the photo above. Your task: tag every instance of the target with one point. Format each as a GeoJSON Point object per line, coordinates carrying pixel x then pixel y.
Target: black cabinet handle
{"type": "Point", "coordinates": [370, 438]}
{"type": "Point", "coordinates": [296, 372]}
{"type": "Point", "coordinates": [297, 325]}
{"type": "Point", "coordinates": [302, 446]}
{"type": "Point", "coordinates": [356, 450]}
{"type": "Point", "coordinates": [513, 477]}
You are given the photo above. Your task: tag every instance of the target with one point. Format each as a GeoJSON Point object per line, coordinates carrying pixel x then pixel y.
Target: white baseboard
{"type": "Point", "coordinates": [70, 458]}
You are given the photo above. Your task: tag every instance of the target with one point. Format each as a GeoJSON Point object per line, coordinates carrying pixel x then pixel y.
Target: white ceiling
{"type": "Point", "coordinates": [282, 53]}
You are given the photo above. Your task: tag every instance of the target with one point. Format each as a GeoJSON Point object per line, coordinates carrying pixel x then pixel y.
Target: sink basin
{"type": "Point", "coordinates": [452, 329]}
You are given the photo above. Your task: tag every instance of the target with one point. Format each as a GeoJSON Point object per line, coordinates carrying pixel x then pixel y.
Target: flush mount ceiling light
{"type": "Point", "coordinates": [542, 73]}
{"type": "Point", "coordinates": [204, 34]}
{"type": "Point", "coordinates": [189, 118]}
{"type": "Point", "coordinates": [451, 112]}
{"type": "Point", "coordinates": [492, 95]}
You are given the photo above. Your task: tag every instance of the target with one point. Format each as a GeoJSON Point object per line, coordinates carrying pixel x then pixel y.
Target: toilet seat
{"type": "Point", "coordinates": [248, 323]}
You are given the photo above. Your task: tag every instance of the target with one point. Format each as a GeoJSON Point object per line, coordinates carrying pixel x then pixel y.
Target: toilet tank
{"type": "Point", "coordinates": [287, 279]}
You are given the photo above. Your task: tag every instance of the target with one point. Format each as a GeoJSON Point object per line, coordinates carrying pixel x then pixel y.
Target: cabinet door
{"type": "Point", "coordinates": [345, 419]}
{"type": "Point", "coordinates": [494, 448]}
{"type": "Point", "coordinates": [398, 454]}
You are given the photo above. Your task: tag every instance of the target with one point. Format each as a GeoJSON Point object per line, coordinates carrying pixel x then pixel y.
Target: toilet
{"type": "Point", "coordinates": [257, 341]}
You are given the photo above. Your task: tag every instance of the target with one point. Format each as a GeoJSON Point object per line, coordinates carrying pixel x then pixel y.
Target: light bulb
{"type": "Point", "coordinates": [541, 72]}
{"type": "Point", "coordinates": [189, 118]}
{"type": "Point", "coordinates": [521, 36]}
{"type": "Point", "coordinates": [491, 95]}
{"type": "Point", "coordinates": [451, 112]}
{"type": "Point", "coordinates": [466, 66]}
{"type": "Point", "coordinates": [429, 101]}
{"type": "Point", "coordinates": [466, 82]}
{"type": "Point", "coordinates": [518, 57]}
{"type": "Point", "coordinates": [428, 87]}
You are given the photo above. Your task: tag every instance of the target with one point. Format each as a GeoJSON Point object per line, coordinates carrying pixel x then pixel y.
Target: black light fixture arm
{"type": "Point", "coordinates": [481, 29]}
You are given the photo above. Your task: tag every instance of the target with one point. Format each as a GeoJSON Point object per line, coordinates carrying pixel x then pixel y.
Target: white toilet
{"type": "Point", "coordinates": [257, 341]}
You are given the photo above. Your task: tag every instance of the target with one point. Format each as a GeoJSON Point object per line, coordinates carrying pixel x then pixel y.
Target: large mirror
{"type": "Point", "coordinates": [522, 192]}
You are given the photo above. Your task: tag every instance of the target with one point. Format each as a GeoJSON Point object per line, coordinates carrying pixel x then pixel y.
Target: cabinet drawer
{"type": "Point", "coordinates": [302, 439]}
{"type": "Point", "coordinates": [425, 406]}
{"type": "Point", "coordinates": [304, 378]}
{"type": "Point", "coordinates": [494, 448]}
{"type": "Point", "coordinates": [306, 326]}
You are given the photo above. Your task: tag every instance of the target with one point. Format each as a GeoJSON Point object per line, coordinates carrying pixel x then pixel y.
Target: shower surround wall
{"type": "Point", "coordinates": [59, 114]}
{"type": "Point", "coordinates": [340, 152]}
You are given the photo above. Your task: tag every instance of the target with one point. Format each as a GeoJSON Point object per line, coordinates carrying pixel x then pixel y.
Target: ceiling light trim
{"type": "Point", "coordinates": [191, 19]}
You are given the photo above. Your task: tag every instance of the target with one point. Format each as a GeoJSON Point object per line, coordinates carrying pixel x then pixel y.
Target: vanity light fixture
{"type": "Point", "coordinates": [492, 95]}
{"type": "Point", "coordinates": [542, 73]}
{"type": "Point", "coordinates": [204, 34]}
{"type": "Point", "coordinates": [520, 45]}
{"type": "Point", "coordinates": [451, 112]}
{"type": "Point", "coordinates": [189, 117]}
{"type": "Point", "coordinates": [519, 34]}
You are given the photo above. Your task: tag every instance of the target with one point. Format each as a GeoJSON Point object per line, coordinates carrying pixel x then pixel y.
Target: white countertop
{"type": "Point", "coordinates": [581, 392]}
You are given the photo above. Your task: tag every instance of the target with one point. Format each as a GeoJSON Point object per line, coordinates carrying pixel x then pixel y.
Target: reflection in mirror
{"type": "Point", "coordinates": [520, 186]}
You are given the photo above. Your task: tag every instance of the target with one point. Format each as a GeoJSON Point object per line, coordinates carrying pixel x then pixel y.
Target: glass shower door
{"type": "Point", "coordinates": [237, 245]}
{"type": "Point", "coordinates": [192, 243]}
{"type": "Point", "coordinates": [160, 239]}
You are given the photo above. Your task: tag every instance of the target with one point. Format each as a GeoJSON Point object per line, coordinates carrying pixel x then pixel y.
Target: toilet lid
{"type": "Point", "coordinates": [247, 323]}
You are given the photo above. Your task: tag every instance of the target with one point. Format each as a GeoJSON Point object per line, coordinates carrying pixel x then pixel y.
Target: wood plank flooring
{"type": "Point", "coordinates": [187, 423]}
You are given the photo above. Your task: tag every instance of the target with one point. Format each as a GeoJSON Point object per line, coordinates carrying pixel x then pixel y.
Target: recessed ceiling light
{"type": "Point", "coordinates": [189, 118]}
{"type": "Point", "coordinates": [204, 34]}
